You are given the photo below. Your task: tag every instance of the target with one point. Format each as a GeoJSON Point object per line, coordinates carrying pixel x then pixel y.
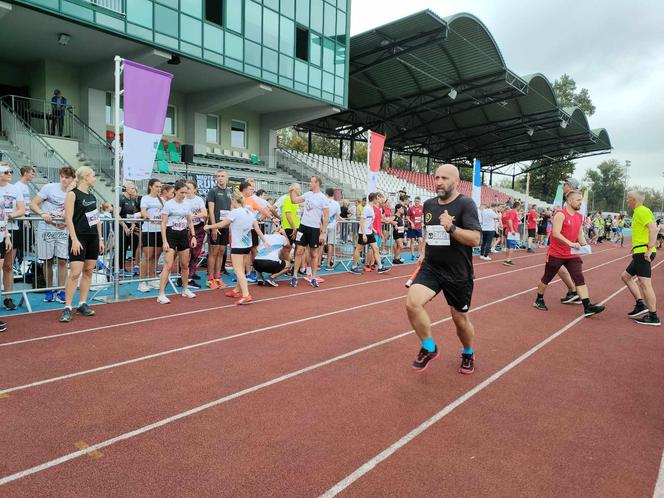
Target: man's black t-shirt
{"type": "Point", "coordinates": [222, 201]}
{"type": "Point", "coordinates": [544, 221]}
{"type": "Point", "coordinates": [452, 260]}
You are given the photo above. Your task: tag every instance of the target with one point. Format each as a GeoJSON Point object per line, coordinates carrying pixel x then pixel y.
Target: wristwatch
{"type": "Point", "coordinates": [452, 229]}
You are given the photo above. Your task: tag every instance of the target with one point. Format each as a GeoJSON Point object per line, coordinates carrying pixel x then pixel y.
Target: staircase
{"type": "Point", "coordinates": [24, 145]}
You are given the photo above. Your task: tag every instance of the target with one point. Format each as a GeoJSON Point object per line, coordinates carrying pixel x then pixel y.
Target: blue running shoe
{"type": "Point", "coordinates": [49, 297]}
{"type": "Point", "coordinates": [293, 282]}
{"type": "Point", "coordinates": [252, 278]}
{"type": "Point", "coordinates": [60, 297]}
{"type": "Point", "coordinates": [314, 282]}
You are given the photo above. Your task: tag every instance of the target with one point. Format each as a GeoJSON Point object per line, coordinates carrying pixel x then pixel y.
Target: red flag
{"type": "Point", "coordinates": [376, 151]}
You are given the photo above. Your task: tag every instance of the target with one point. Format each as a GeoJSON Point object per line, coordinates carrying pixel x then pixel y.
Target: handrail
{"type": "Point", "coordinates": [39, 115]}
{"type": "Point", "coordinates": [92, 147]}
{"type": "Point", "coordinates": [45, 158]}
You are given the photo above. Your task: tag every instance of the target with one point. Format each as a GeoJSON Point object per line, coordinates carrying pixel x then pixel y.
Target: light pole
{"type": "Point", "coordinates": [628, 163]}
{"type": "Point", "coordinates": [661, 212]}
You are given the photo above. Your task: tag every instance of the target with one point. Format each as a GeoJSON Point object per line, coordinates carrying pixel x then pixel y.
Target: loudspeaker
{"type": "Point", "coordinates": [187, 153]}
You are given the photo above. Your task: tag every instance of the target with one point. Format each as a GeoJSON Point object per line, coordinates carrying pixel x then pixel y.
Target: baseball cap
{"type": "Point", "coordinates": [572, 182]}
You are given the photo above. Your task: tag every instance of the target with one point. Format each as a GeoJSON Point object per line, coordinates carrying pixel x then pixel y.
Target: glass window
{"type": "Point", "coordinates": [302, 43]}
{"type": "Point", "coordinates": [234, 46]}
{"type": "Point", "coordinates": [191, 7]}
{"type": "Point", "coordinates": [234, 15]}
{"type": "Point", "coordinates": [213, 11]}
{"type": "Point", "coordinates": [273, 4]}
{"type": "Point", "coordinates": [316, 15]}
{"type": "Point", "coordinates": [341, 4]}
{"type": "Point", "coordinates": [286, 66]}
{"type": "Point", "coordinates": [212, 129]}
{"type": "Point", "coordinates": [341, 27]}
{"type": "Point", "coordinates": [340, 60]}
{"type": "Point", "coordinates": [302, 12]}
{"type": "Point", "coordinates": [270, 28]}
{"type": "Point", "coordinates": [328, 82]}
{"type": "Point", "coordinates": [166, 20]}
{"type": "Point", "coordinates": [140, 12]}
{"type": "Point", "coordinates": [316, 46]}
{"type": "Point", "coordinates": [288, 8]}
{"type": "Point", "coordinates": [314, 77]}
{"type": "Point", "coordinates": [330, 20]}
{"type": "Point", "coordinates": [190, 30]}
{"type": "Point", "coordinates": [270, 60]}
{"type": "Point", "coordinates": [252, 53]}
{"type": "Point", "coordinates": [169, 122]}
{"type": "Point", "coordinates": [214, 38]}
{"type": "Point", "coordinates": [238, 134]}
{"type": "Point", "coordinates": [328, 55]}
{"type": "Point", "coordinates": [169, 3]}
{"type": "Point", "coordinates": [339, 87]}
{"type": "Point", "coordinates": [301, 72]}
{"type": "Point", "coordinates": [287, 36]}
{"type": "Point", "coordinates": [252, 21]}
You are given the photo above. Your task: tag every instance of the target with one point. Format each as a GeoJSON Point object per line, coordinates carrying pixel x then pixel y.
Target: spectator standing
{"type": "Point", "coordinates": [489, 219]}
{"type": "Point", "coordinates": [130, 208]}
{"type": "Point", "coordinates": [13, 207]}
{"type": "Point", "coordinates": [58, 107]}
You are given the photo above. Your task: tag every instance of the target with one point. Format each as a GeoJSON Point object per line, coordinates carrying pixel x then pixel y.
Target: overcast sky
{"type": "Point", "coordinates": [614, 48]}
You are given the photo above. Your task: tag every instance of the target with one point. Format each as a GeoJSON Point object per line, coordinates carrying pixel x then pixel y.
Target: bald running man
{"type": "Point", "coordinates": [451, 229]}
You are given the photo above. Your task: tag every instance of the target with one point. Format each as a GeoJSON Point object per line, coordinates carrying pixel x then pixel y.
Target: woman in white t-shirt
{"type": "Point", "coordinates": [241, 220]}
{"type": "Point", "coordinates": [199, 213]}
{"type": "Point", "coordinates": [176, 220]}
{"type": "Point", "coordinates": [151, 205]}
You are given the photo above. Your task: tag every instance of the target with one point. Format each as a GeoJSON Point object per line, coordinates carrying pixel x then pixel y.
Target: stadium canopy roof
{"type": "Point", "coordinates": [440, 87]}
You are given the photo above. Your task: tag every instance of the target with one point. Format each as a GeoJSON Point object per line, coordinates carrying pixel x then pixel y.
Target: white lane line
{"type": "Point", "coordinates": [389, 451]}
{"type": "Point", "coordinates": [659, 485]}
{"type": "Point", "coordinates": [235, 336]}
{"type": "Point", "coordinates": [219, 339]}
{"type": "Point", "coordinates": [160, 423]}
{"type": "Point", "coordinates": [216, 308]}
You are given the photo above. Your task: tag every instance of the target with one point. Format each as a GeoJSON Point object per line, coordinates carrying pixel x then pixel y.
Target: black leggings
{"type": "Point", "coordinates": [487, 238]}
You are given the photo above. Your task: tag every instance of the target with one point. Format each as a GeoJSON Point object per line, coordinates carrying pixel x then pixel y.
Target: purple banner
{"type": "Point", "coordinates": [146, 92]}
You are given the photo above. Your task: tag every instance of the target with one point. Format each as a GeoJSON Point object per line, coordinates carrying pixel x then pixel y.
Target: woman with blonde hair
{"type": "Point", "coordinates": [85, 241]}
{"type": "Point", "coordinates": [151, 206]}
{"type": "Point", "coordinates": [241, 220]}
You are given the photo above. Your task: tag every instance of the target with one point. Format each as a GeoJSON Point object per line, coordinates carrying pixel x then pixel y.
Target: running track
{"type": "Point", "coordinates": [309, 392]}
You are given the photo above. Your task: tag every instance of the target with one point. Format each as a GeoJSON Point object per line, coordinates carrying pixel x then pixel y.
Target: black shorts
{"type": "Point", "coordinates": [254, 238]}
{"type": "Point", "coordinates": [17, 239]}
{"type": "Point", "coordinates": [240, 250]}
{"type": "Point", "coordinates": [178, 240]}
{"type": "Point", "coordinates": [574, 267]}
{"type": "Point", "coordinates": [457, 294]}
{"type": "Point", "coordinates": [289, 233]}
{"type": "Point", "coordinates": [371, 239]}
{"type": "Point", "coordinates": [222, 238]}
{"type": "Point", "coordinates": [640, 267]}
{"type": "Point", "coordinates": [3, 251]}
{"type": "Point", "coordinates": [151, 239]}
{"type": "Point", "coordinates": [541, 231]}
{"type": "Point", "coordinates": [90, 250]}
{"type": "Point", "coordinates": [308, 236]}
{"type": "Point", "coordinates": [532, 232]}
{"type": "Point", "coordinates": [268, 266]}
{"type": "Point", "coordinates": [496, 235]}
{"type": "Point", "coordinates": [398, 235]}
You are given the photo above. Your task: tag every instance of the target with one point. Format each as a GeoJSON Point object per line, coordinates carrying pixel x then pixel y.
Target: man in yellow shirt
{"type": "Point", "coordinates": [637, 276]}
{"type": "Point", "coordinates": [290, 221]}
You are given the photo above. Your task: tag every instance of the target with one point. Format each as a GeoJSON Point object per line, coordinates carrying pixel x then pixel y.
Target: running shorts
{"type": "Point", "coordinates": [414, 233]}
{"type": "Point", "coordinates": [573, 265]}
{"type": "Point", "coordinates": [222, 238]}
{"type": "Point", "coordinates": [308, 236]}
{"type": "Point", "coordinates": [371, 239]}
{"type": "Point", "coordinates": [457, 294]}
{"type": "Point", "coordinates": [532, 232]}
{"type": "Point", "coordinates": [639, 266]}
{"type": "Point", "coordinates": [151, 239]}
{"type": "Point", "coordinates": [268, 266]}
{"type": "Point", "coordinates": [90, 249]}
{"type": "Point", "coordinates": [178, 240]}
{"type": "Point", "coordinates": [52, 243]}
{"type": "Point", "coordinates": [240, 250]}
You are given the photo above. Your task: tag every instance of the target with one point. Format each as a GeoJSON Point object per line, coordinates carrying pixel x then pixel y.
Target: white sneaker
{"type": "Point", "coordinates": [188, 293]}
{"type": "Point", "coordinates": [153, 284]}
{"type": "Point", "coordinates": [163, 300]}
{"type": "Point", "coordinates": [143, 287]}
{"type": "Point", "coordinates": [487, 258]}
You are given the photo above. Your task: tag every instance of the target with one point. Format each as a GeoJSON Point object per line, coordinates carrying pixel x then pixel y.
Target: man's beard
{"type": "Point", "coordinates": [444, 194]}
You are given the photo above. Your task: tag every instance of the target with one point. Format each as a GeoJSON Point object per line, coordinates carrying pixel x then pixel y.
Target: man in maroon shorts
{"type": "Point", "coordinates": [567, 234]}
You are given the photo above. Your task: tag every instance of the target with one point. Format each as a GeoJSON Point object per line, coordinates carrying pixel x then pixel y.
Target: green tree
{"type": "Point", "coordinates": [608, 183]}
{"type": "Point", "coordinates": [360, 152]}
{"type": "Point", "coordinates": [325, 146]}
{"type": "Point", "coordinates": [565, 90]}
{"type": "Point", "coordinates": [545, 179]}
{"type": "Point", "coordinates": [653, 197]}
{"type": "Point", "coordinates": [290, 139]}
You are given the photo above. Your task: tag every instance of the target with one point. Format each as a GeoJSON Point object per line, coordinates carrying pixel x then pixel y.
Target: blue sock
{"type": "Point", "coordinates": [429, 345]}
{"type": "Point", "coordinates": [467, 350]}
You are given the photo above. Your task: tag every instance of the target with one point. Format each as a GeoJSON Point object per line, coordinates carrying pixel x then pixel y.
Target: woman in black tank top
{"type": "Point", "coordinates": [85, 240]}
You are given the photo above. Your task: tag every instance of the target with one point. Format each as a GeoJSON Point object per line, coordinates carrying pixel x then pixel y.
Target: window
{"type": "Point", "coordinates": [213, 11]}
{"type": "Point", "coordinates": [287, 36]}
{"type": "Point", "coordinates": [316, 48]}
{"type": "Point", "coordinates": [270, 28]}
{"type": "Point", "coordinates": [302, 43]}
{"type": "Point", "coordinates": [234, 15]}
{"type": "Point", "coordinates": [253, 21]}
{"type": "Point", "coordinates": [212, 130]}
{"type": "Point", "coordinates": [238, 134]}
{"type": "Point", "coordinates": [169, 122]}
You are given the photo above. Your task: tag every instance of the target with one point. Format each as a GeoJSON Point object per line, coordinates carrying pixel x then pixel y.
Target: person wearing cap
{"type": "Point", "coordinates": [58, 106]}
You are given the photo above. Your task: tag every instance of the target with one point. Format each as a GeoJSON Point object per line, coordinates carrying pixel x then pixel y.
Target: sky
{"type": "Point", "coordinates": [613, 48]}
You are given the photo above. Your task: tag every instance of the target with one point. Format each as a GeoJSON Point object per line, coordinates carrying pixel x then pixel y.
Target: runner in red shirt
{"type": "Point", "coordinates": [511, 224]}
{"type": "Point", "coordinates": [414, 233]}
{"type": "Point", "coordinates": [531, 225]}
{"type": "Point", "coordinates": [567, 234]}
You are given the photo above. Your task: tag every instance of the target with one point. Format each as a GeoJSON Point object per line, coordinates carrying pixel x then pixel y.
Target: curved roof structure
{"type": "Point", "coordinates": [440, 87]}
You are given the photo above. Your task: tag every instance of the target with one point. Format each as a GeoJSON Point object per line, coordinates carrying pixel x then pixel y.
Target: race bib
{"type": "Point", "coordinates": [437, 236]}
{"type": "Point", "coordinates": [3, 228]}
{"type": "Point", "coordinates": [179, 224]}
{"type": "Point", "coordinates": [511, 236]}
{"type": "Point", "coordinates": [401, 229]}
{"type": "Point", "coordinates": [195, 214]}
{"type": "Point", "coordinates": [418, 219]}
{"type": "Point", "coordinates": [298, 236]}
{"type": "Point", "coordinates": [223, 214]}
{"type": "Point", "coordinates": [93, 218]}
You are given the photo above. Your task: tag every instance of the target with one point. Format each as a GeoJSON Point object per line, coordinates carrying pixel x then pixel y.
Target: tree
{"type": "Point", "coordinates": [565, 90]}
{"type": "Point", "coordinates": [608, 184]}
{"type": "Point", "coordinates": [290, 139]}
{"type": "Point", "coordinates": [545, 179]}
{"type": "Point", "coordinates": [653, 197]}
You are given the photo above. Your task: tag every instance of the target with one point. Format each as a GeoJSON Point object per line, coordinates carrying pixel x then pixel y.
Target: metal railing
{"type": "Point", "coordinates": [41, 115]}
{"type": "Point", "coordinates": [117, 6]}
{"type": "Point", "coordinates": [91, 146]}
{"type": "Point", "coordinates": [30, 143]}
